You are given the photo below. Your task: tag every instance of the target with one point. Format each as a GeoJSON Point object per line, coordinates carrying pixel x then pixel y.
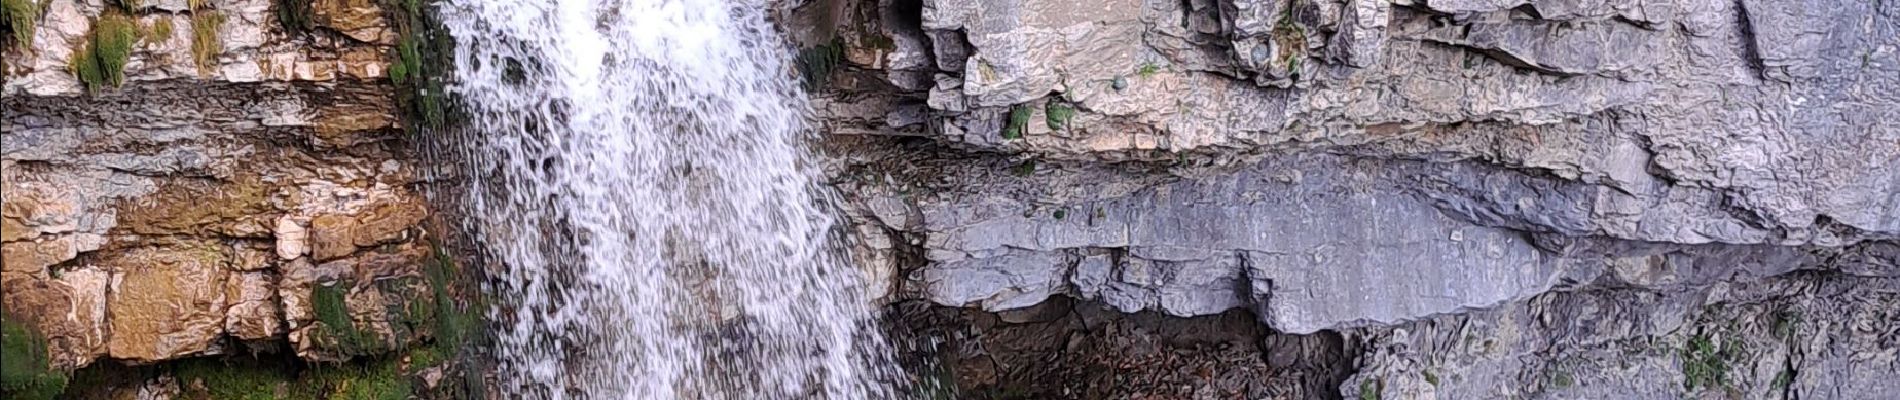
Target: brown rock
{"type": "Point", "coordinates": [292, 239]}
{"type": "Point", "coordinates": [70, 312]}
{"type": "Point", "coordinates": [352, 125]}
{"type": "Point", "coordinates": [386, 222]}
{"type": "Point", "coordinates": [166, 302]}
{"type": "Point", "coordinates": [359, 19]}
{"type": "Point", "coordinates": [32, 257]}
{"type": "Point", "coordinates": [12, 229]}
{"type": "Point", "coordinates": [363, 63]}
{"type": "Point", "coordinates": [239, 207]}
{"type": "Point", "coordinates": [337, 236]}
{"type": "Point", "coordinates": [331, 237]}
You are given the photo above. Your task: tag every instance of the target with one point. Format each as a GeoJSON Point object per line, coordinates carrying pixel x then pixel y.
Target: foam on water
{"type": "Point", "coordinates": [640, 174]}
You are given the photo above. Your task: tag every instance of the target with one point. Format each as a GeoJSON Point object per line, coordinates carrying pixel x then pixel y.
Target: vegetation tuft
{"type": "Point", "coordinates": [421, 59]}
{"type": "Point", "coordinates": [128, 6]}
{"type": "Point", "coordinates": [1057, 114]}
{"type": "Point", "coordinates": [1704, 365]}
{"type": "Point", "coordinates": [161, 30]}
{"type": "Point", "coordinates": [20, 17]}
{"type": "Point", "coordinates": [1291, 38]}
{"type": "Point", "coordinates": [1018, 121]}
{"type": "Point", "coordinates": [1025, 168]}
{"type": "Point", "coordinates": [1369, 389]}
{"type": "Point", "coordinates": [26, 370]}
{"type": "Point", "coordinates": [339, 331]}
{"type": "Point", "coordinates": [236, 378]}
{"type": "Point", "coordinates": [1148, 70]}
{"type": "Point", "coordinates": [100, 62]}
{"type": "Point", "coordinates": [205, 44]}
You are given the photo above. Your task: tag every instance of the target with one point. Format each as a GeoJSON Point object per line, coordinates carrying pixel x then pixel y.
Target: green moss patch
{"type": "Point", "coordinates": [26, 370]}
{"type": "Point", "coordinates": [1057, 114]}
{"type": "Point", "coordinates": [101, 61]}
{"type": "Point", "coordinates": [241, 378]}
{"type": "Point", "coordinates": [420, 62]}
{"type": "Point", "coordinates": [21, 18]}
{"type": "Point", "coordinates": [1018, 121]}
{"type": "Point", "coordinates": [336, 330]}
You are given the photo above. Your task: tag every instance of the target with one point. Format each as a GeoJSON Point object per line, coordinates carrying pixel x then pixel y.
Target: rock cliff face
{"type": "Point", "coordinates": [1592, 199]}
{"type": "Point", "coordinates": [242, 187]}
{"type": "Point", "coordinates": [1126, 198]}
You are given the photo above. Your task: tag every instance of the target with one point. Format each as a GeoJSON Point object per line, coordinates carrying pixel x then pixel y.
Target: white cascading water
{"type": "Point", "coordinates": [639, 171]}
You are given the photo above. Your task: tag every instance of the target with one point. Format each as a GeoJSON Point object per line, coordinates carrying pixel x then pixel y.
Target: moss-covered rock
{"type": "Point", "coordinates": [20, 17]}
{"type": "Point", "coordinates": [101, 62]}
{"type": "Point", "coordinates": [420, 61]}
{"type": "Point", "coordinates": [26, 373]}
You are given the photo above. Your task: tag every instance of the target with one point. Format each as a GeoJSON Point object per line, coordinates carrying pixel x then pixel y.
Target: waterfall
{"type": "Point", "coordinates": [641, 176]}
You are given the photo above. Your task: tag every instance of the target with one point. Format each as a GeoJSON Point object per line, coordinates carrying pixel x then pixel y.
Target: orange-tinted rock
{"type": "Point", "coordinates": [359, 19]}
{"type": "Point", "coordinates": [32, 257]}
{"type": "Point", "coordinates": [331, 237]}
{"type": "Point", "coordinates": [166, 302]}
{"type": "Point", "coordinates": [237, 208]}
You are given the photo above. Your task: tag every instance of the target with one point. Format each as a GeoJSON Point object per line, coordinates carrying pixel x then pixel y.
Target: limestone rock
{"type": "Point", "coordinates": [253, 312]}
{"type": "Point", "coordinates": [153, 221]}
{"type": "Point", "coordinates": [361, 20]}
{"type": "Point", "coordinates": [166, 302]}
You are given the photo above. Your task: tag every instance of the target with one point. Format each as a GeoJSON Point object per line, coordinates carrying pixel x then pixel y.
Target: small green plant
{"type": "Point", "coordinates": [1369, 389]}
{"type": "Point", "coordinates": [294, 15]}
{"type": "Point", "coordinates": [339, 331]}
{"type": "Point", "coordinates": [21, 17]}
{"type": "Point", "coordinates": [1148, 69]}
{"type": "Point", "coordinates": [1060, 213]}
{"type": "Point", "coordinates": [205, 45]}
{"type": "Point", "coordinates": [454, 324]}
{"type": "Point", "coordinates": [1024, 168]}
{"type": "Point", "coordinates": [1783, 379]}
{"type": "Point", "coordinates": [1018, 121]}
{"type": "Point", "coordinates": [421, 54]}
{"type": "Point", "coordinates": [161, 30]}
{"type": "Point", "coordinates": [1430, 377]}
{"type": "Point", "coordinates": [101, 61]}
{"type": "Point", "coordinates": [26, 370]}
{"type": "Point", "coordinates": [1704, 365]}
{"type": "Point", "coordinates": [1057, 114]}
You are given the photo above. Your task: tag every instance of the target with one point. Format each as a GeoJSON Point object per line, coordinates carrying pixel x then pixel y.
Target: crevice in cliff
{"type": "Point", "coordinates": [1068, 349]}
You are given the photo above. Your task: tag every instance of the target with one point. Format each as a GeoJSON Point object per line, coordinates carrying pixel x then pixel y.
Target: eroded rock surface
{"type": "Point", "coordinates": [1370, 167]}
{"type": "Point", "coordinates": [191, 210]}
